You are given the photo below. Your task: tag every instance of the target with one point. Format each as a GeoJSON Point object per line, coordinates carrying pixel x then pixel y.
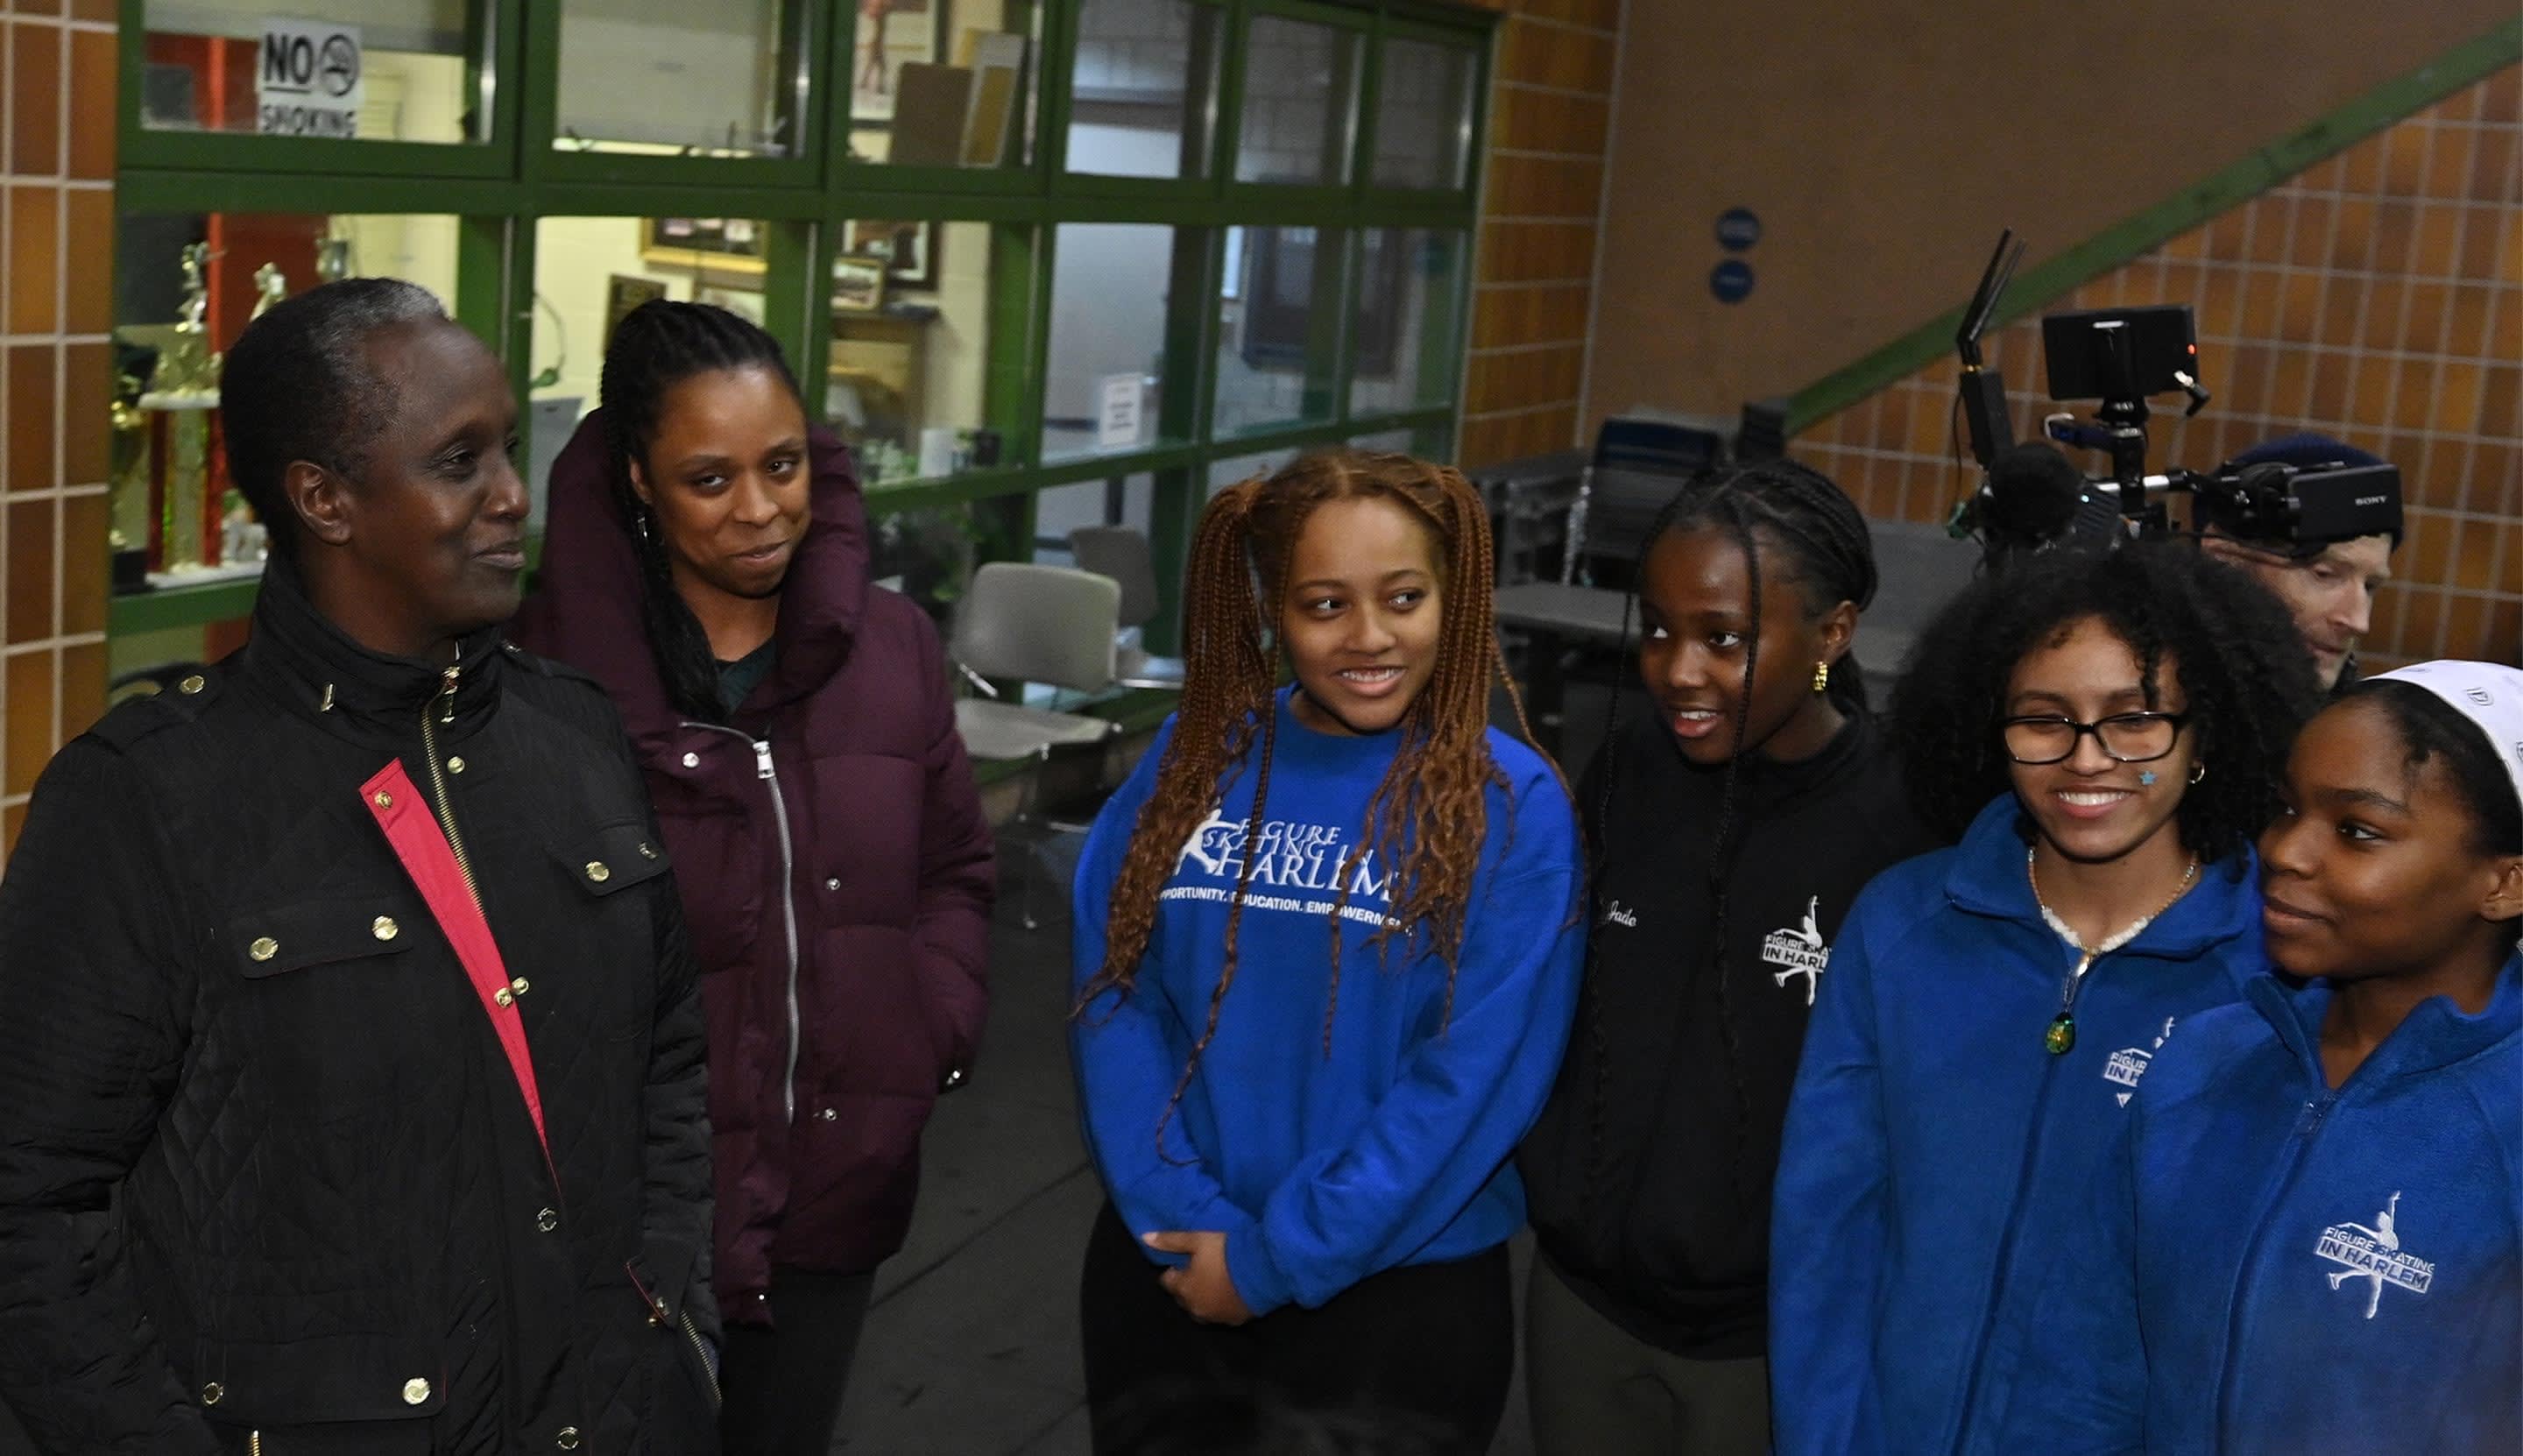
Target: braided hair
{"type": "Point", "coordinates": [1817, 540]}
{"type": "Point", "coordinates": [657, 346]}
{"type": "Point", "coordinates": [1428, 817]}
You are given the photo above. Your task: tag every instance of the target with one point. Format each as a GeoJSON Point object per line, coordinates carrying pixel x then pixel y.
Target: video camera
{"type": "Point", "coordinates": [2034, 498]}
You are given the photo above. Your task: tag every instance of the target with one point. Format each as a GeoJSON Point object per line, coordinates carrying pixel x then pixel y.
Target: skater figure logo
{"type": "Point", "coordinates": [2375, 1255]}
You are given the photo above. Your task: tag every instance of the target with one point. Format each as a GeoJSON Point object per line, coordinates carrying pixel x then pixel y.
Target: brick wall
{"type": "Point", "coordinates": [2376, 298]}
{"type": "Point", "coordinates": [1549, 125]}
{"type": "Point", "coordinates": [57, 126]}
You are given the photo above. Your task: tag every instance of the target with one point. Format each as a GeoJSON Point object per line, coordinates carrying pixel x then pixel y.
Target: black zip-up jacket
{"type": "Point", "coordinates": [266, 1179]}
{"type": "Point", "coordinates": [1648, 1175]}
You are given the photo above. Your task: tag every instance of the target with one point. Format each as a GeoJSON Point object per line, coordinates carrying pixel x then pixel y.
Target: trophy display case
{"type": "Point", "coordinates": [191, 285]}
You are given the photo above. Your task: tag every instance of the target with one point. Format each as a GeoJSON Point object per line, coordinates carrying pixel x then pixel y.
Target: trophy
{"type": "Point", "coordinates": [271, 286]}
{"type": "Point", "coordinates": [180, 405]}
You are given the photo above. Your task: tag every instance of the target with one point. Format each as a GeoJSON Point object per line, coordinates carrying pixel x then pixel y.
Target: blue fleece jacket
{"type": "Point", "coordinates": [1937, 1157]}
{"type": "Point", "coordinates": [1392, 1148]}
{"type": "Point", "coordinates": [2277, 1267]}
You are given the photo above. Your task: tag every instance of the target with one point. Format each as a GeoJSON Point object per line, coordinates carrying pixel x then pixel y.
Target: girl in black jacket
{"type": "Point", "coordinates": [1729, 829]}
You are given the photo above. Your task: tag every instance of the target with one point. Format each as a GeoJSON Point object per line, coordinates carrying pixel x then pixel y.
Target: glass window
{"type": "Point", "coordinates": [185, 287]}
{"type": "Point", "coordinates": [1140, 87]}
{"type": "Point", "coordinates": [1395, 441]}
{"type": "Point", "coordinates": [589, 271]}
{"type": "Point", "coordinates": [1407, 320]}
{"type": "Point", "coordinates": [1278, 327]}
{"type": "Point", "coordinates": [375, 70]}
{"type": "Point", "coordinates": [941, 82]}
{"type": "Point", "coordinates": [1104, 385]}
{"type": "Point", "coordinates": [1300, 95]}
{"type": "Point", "coordinates": [927, 553]}
{"type": "Point", "coordinates": [1423, 114]}
{"type": "Point", "coordinates": [911, 320]}
{"type": "Point", "coordinates": [1123, 500]}
{"type": "Point", "coordinates": [1241, 468]}
{"type": "Point", "coordinates": [667, 77]}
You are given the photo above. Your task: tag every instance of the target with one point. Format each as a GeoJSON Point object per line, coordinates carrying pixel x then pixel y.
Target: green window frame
{"type": "Point", "coordinates": [500, 186]}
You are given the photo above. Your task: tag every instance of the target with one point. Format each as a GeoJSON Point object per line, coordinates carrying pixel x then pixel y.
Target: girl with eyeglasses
{"type": "Point", "coordinates": [2103, 736]}
{"type": "Point", "coordinates": [2310, 1234]}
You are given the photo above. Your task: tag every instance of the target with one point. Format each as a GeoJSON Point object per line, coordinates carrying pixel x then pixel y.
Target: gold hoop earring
{"type": "Point", "coordinates": [1822, 677]}
{"type": "Point", "coordinates": [2197, 771]}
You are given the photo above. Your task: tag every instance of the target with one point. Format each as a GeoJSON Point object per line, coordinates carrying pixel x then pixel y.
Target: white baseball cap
{"type": "Point", "coordinates": [2483, 693]}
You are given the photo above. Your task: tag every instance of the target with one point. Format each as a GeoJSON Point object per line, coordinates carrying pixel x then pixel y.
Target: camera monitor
{"type": "Point", "coordinates": [2120, 353]}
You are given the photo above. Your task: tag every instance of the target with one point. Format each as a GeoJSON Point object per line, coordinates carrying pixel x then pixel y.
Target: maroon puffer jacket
{"type": "Point", "coordinates": [834, 867]}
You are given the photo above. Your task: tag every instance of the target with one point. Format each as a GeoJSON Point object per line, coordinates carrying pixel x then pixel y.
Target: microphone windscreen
{"type": "Point", "coordinates": [2033, 491]}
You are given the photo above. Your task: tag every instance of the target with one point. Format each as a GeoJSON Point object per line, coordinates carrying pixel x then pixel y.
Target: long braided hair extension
{"type": "Point", "coordinates": [1823, 547]}
{"type": "Point", "coordinates": [657, 346]}
{"type": "Point", "coordinates": [1427, 818]}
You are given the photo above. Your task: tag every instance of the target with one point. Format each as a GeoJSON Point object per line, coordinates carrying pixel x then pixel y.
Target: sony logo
{"type": "Point", "coordinates": [2372, 499]}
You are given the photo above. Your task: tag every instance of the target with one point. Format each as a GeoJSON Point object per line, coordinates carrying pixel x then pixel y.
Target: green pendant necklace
{"type": "Point", "coordinates": [2060, 1036]}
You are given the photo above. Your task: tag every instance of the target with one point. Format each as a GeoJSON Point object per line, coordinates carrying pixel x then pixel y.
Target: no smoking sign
{"type": "Point", "coordinates": [308, 82]}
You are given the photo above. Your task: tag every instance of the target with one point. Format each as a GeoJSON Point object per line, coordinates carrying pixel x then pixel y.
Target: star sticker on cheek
{"type": "Point", "coordinates": [2145, 778]}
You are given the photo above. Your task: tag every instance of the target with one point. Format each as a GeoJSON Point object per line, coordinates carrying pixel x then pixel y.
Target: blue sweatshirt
{"type": "Point", "coordinates": [1938, 1157]}
{"type": "Point", "coordinates": [2276, 1267]}
{"type": "Point", "coordinates": [1392, 1148]}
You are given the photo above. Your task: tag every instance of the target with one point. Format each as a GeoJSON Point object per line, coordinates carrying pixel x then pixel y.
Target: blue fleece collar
{"type": "Point", "coordinates": [1987, 878]}
{"type": "Point", "coordinates": [2436, 1035]}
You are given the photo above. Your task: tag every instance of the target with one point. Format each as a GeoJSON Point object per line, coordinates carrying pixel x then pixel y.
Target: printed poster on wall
{"type": "Point", "coordinates": [309, 80]}
{"type": "Point", "coordinates": [1117, 410]}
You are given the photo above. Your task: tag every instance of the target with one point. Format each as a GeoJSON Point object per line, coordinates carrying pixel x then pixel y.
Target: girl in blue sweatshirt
{"type": "Point", "coordinates": [2310, 1237]}
{"type": "Point", "coordinates": [1991, 1009]}
{"type": "Point", "coordinates": [1327, 952]}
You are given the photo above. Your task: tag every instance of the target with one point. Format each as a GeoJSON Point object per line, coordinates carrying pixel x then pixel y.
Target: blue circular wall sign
{"type": "Point", "coordinates": [1737, 228]}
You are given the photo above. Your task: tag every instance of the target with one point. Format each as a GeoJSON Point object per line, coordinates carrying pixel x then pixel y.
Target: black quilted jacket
{"type": "Point", "coordinates": [266, 1181]}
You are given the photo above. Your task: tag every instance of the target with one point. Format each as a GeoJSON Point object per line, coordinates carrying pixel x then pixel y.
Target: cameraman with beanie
{"type": "Point", "coordinates": [2330, 593]}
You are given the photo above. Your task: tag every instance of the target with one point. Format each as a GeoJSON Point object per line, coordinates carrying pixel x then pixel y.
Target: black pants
{"type": "Point", "coordinates": [783, 1384]}
{"type": "Point", "coordinates": [1420, 1356]}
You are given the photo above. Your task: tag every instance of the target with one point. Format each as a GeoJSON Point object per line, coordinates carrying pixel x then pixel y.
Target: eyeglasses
{"type": "Point", "coordinates": [2127, 737]}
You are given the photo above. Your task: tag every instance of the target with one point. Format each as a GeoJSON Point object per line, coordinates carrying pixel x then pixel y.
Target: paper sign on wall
{"type": "Point", "coordinates": [1116, 420]}
{"type": "Point", "coordinates": [308, 80]}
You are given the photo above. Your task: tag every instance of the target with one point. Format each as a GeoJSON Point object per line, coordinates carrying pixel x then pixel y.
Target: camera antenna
{"type": "Point", "coordinates": [1984, 389]}
{"type": "Point", "coordinates": [1984, 303]}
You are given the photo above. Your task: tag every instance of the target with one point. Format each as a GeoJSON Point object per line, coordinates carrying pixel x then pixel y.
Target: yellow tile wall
{"type": "Point", "coordinates": [2376, 298]}
{"type": "Point", "coordinates": [1551, 116]}
{"type": "Point", "coordinates": [57, 126]}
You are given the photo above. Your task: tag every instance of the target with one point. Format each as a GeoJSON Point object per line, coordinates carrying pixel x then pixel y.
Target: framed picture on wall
{"type": "Point", "coordinates": [890, 34]}
{"type": "Point", "coordinates": [743, 303]}
{"type": "Point", "coordinates": [909, 249]}
{"type": "Point", "coordinates": [858, 282]}
{"type": "Point", "coordinates": [703, 246]}
{"type": "Point", "coordinates": [624, 293]}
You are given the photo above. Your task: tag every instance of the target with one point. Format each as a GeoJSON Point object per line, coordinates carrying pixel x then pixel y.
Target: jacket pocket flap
{"type": "Point", "coordinates": [318, 932]}
{"type": "Point", "coordinates": [613, 858]}
{"type": "Point", "coordinates": [330, 1377]}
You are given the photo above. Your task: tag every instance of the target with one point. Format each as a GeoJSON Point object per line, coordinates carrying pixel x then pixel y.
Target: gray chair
{"type": "Point", "coordinates": [1122, 553]}
{"type": "Point", "coordinates": [1033, 624]}
{"type": "Point", "coordinates": [1615, 506]}
{"type": "Point", "coordinates": [1918, 568]}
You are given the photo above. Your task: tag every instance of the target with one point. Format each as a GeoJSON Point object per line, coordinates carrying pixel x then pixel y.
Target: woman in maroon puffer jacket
{"type": "Point", "coordinates": [706, 558]}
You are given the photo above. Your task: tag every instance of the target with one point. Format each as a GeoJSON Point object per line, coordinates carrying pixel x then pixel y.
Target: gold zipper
{"type": "Point", "coordinates": [438, 778]}
{"type": "Point", "coordinates": [253, 1445]}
